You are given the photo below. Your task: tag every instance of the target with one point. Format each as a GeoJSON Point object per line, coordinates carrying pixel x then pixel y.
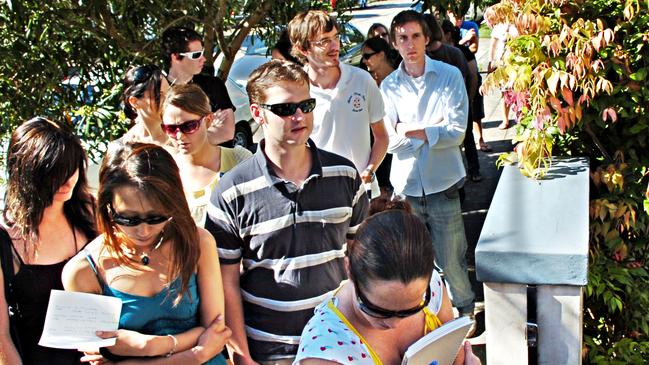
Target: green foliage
{"type": "Point", "coordinates": [581, 67]}
{"type": "Point", "coordinates": [65, 59]}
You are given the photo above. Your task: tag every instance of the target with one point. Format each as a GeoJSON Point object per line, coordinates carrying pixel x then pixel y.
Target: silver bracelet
{"type": "Point", "coordinates": [173, 349]}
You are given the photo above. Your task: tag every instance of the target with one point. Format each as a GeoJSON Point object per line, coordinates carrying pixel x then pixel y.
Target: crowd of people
{"type": "Point", "coordinates": [210, 247]}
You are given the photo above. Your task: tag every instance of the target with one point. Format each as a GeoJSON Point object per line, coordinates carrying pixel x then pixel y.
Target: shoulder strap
{"type": "Point", "coordinates": [93, 266]}
{"type": "Point", "coordinates": [341, 316]}
{"type": "Point", "coordinates": [6, 259]}
{"type": "Point", "coordinates": [7, 262]}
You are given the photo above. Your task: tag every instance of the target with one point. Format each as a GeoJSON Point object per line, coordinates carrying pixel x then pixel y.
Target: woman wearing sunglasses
{"type": "Point", "coordinates": [151, 255]}
{"type": "Point", "coordinates": [186, 119]}
{"type": "Point", "coordinates": [144, 89]}
{"type": "Point", "coordinates": [379, 58]}
{"type": "Point", "coordinates": [392, 298]}
{"type": "Point", "coordinates": [48, 218]}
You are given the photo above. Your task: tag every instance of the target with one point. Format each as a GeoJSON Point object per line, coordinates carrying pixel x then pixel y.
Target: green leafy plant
{"type": "Point", "coordinates": [581, 68]}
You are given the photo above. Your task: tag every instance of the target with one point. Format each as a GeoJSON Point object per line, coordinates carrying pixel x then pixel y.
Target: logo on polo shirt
{"type": "Point", "coordinates": [356, 100]}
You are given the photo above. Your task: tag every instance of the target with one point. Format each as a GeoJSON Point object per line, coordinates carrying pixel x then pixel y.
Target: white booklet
{"type": "Point", "coordinates": [73, 318]}
{"type": "Point", "coordinates": [441, 346]}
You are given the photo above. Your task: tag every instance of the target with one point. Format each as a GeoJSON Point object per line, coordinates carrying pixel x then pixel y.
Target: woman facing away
{"type": "Point", "coordinates": [151, 255]}
{"type": "Point", "coordinates": [186, 116]}
{"type": "Point", "coordinates": [144, 90]}
{"type": "Point", "coordinates": [48, 218]}
{"type": "Point", "coordinates": [393, 298]}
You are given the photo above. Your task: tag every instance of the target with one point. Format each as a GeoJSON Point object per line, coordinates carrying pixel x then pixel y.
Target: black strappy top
{"type": "Point", "coordinates": [31, 287]}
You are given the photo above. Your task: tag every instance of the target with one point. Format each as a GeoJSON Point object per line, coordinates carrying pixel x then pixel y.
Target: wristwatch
{"type": "Point", "coordinates": [371, 173]}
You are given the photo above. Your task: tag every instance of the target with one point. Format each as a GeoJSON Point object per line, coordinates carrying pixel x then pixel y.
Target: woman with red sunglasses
{"type": "Point", "coordinates": [392, 298]}
{"type": "Point", "coordinates": [187, 120]}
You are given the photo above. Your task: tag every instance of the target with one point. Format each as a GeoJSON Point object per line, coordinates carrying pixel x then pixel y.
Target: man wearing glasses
{"type": "Point", "coordinates": [349, 104]}
{"type": "Point", "coordinates": [426, 107]}
{"type": "Point", "coordinates": [281, 220]}
{"type": "Point", "coordinates": [182, 52]}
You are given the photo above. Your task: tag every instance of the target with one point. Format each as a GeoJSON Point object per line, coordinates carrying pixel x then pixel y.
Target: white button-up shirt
{"type": "Point", "coordinates": [438, 103]}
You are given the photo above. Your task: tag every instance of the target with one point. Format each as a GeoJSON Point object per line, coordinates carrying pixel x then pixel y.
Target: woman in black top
{"type": "Point", "coordinates": [48, 219]}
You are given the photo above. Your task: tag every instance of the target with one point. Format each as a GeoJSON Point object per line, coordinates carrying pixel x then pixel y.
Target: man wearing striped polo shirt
{"type": "Point", "coordinates": [285, 215]}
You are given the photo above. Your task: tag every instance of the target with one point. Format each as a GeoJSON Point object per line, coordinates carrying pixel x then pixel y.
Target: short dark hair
{"type": "Point", "coordinates": [176, 40]}
{"type": "Point", "coordinates": [408, 16]}
{"type": "Point", "coordinates": [448, 27]}
{"type": "Point", "coordinates": [136, 82]}
{"type": "Point", "coordinates": [271, 73]}
{"type": "Point", "coordinates": [284, 47]}
{"type": "Point", "coordinates": [434, 28]}
{"type": "Point", "coordinates": [391, 245]}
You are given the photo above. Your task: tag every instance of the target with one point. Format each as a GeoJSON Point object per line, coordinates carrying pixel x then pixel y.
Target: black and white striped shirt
{"type": "Point", "coordinates": [291, 241]}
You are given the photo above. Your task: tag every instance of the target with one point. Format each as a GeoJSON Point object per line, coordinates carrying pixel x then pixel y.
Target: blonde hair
{"type": "Point", "coordinates": [270, 74]}
{"type": "Point", "coordinates": [307, 25]}
{"type": "Point", "coordinates": [188, 97]}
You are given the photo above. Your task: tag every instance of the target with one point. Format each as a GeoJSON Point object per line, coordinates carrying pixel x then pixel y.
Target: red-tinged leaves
{"type": "Point", "coordinates": [556, 104]}
{"type": "Point", "coordinates": [567, 96]}
{"type": "Point", "coordinates": [597, 65]}
{"type": "Point", "coordinates": [609, 113]}
{"type": "Point", "coordinates": [542, 117]}
{"type": "Point", "coordinates": [562, 123]}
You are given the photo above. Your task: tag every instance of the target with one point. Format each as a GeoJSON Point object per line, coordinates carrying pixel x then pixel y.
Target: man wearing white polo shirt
{"type": "Point", "coordinates": [349, 104]}
{"type": "Point", "coordinates": [426, 117]}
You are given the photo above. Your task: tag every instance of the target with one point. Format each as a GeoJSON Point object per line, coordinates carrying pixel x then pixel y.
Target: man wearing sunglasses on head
{"type": "Point", "coordinates": [182, 53]}
{"type": "Point", "coordinates": [349, 105]}
{"type": "Point", "coordinates": [281, 220]}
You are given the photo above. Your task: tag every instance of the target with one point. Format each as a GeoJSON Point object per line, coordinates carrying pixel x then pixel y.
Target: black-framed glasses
{"type": "Point", "coordinates": [288, 109]}
{"type": "Point", "coordinates": [326, 42]}
{"type": "Point", "coordinates": [378, 312]}
{"type": "Point", "coordinates": [366, 56]}
{"type": "Point", "coordinates": [193, 55]}
{"type": "Point", "coordinates": [136, 221]}
{"type": "Point", "coordinates": [187, 127]}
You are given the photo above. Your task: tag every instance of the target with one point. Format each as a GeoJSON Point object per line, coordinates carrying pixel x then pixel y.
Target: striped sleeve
{"type": "Point", "coordinates": [222, 224]}
{"type": "Point", "coordinates": [360, 207]}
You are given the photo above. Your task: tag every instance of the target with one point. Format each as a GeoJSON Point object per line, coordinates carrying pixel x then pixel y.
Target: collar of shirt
{"type": "Point", "coordinates": [429, 67]}
{"type": "Point", "coordinates": [269, 173]}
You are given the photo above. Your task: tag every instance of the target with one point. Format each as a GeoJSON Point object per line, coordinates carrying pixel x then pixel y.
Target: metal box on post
{"type": "Point", "coordinates": [532, 257]}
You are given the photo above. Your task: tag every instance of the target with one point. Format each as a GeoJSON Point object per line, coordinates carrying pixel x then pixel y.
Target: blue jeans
{"type": "Point", "coordinates": [442, 215]}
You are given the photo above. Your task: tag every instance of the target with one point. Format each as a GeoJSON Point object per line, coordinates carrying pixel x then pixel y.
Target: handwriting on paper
{"type": "Point", "coordinates": [73, 318]}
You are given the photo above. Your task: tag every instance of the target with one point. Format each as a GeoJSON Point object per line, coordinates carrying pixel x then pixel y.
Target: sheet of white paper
{"type": "Point", "coordinates": [73, 318]}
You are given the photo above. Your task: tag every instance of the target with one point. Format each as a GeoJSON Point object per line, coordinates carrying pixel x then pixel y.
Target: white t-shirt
{"type": "Point", "coordinates": [343, 115]}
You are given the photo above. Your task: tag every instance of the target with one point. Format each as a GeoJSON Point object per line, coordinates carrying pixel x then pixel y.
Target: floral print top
{"type": "Point", "coordinates": [328, 335]}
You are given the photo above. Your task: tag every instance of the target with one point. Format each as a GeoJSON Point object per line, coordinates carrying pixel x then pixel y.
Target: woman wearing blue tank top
{"type": "Point", "coordinates": [151, 255]}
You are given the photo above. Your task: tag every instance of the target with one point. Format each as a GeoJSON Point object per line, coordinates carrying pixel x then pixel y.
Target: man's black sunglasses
{"type": "Point", "coordinates": [288, 109]}
{"type": "Point", "coordinates": [136, 221]}
{"type": "Point", "coordinates": [378, 312]}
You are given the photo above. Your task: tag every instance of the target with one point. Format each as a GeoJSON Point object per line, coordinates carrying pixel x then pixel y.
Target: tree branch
{"type": "Point", "coordinates": [599, 145]}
